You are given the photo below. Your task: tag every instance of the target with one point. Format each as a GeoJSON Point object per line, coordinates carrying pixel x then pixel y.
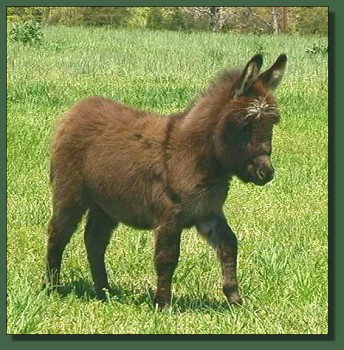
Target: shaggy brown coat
{"type": "Point", "coordinates": [161, 172]}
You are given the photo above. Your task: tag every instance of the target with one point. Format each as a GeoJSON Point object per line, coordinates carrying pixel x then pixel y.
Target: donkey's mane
{"type": "Point", "coordinates": [223, 83]}
{"type": "Point", "coordinates": [225, 80]}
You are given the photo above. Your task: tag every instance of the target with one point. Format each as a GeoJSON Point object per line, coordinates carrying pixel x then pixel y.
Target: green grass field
{"type": "Point", "coordinates": [282, 227]}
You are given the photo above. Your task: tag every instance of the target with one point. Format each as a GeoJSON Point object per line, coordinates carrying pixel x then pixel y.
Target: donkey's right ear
{"type": "Point", "coordinates": [249, 74]}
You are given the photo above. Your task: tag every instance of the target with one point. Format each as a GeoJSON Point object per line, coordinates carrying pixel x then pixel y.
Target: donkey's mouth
{"type": "Point", "coordinates": [260, 182]}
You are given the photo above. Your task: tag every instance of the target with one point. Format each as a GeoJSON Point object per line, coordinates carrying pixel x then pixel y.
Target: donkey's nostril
{"type": "Point", "coordinates": [261, 173]}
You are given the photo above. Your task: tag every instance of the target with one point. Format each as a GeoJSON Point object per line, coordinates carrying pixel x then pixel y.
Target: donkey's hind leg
{"type": "Point", "coordinates": [97, 236]}
{"type": "Point", "coordinates": [66, 216]}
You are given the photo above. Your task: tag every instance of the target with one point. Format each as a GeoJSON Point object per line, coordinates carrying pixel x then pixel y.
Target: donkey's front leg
{"type": "Point", "coordinates": [167, 244]}
{"type": "Point", "coordinates": [218, 233]}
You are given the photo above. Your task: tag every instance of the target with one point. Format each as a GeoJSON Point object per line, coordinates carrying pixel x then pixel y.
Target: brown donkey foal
{"type": "Point", "coordinates": [164, 173]}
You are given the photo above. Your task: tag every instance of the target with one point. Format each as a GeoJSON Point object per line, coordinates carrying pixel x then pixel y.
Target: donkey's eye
{"type": "Point", "coordinates": [245, 134]}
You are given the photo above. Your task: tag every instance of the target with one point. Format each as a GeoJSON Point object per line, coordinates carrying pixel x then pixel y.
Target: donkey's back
{"type": "Point", "coordinates": [107, 153]}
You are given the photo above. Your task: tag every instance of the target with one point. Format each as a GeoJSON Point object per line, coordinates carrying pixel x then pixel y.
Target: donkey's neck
{"type": "Point", "coordinates": [196, 131]}
{"type": "Point", "coordinates": [192, 135]}
{"type": "Point", "coordinates": [203, 117]}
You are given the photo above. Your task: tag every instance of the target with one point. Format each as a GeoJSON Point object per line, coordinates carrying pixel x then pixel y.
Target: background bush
{"type": "Point", "coordinates": [27, 33]}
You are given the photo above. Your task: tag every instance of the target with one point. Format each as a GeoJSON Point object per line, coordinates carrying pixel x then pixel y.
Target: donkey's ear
{"type": "Point", "coordinates": [273, 76]}
{"type": "Point", "coordinates": [249, 74]}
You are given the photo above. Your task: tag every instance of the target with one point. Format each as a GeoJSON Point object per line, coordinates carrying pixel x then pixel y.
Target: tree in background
{"type": "Point", "coordinates": [310, 20]}
{"type": "Point", "coordinates": [69, 16]}
{"type": "Point", "coordinates": [279, 18]}
{"type": "Point", "coordinates": [259, 20]}
{"type": "Point", "coordinates": [138, 17]}
{"type": "Point", "coordinates": [16, 14]}
{"type": "Point", "coordinates": [211, 15]}
{"type": "Point", "coordinates": [155, 18]}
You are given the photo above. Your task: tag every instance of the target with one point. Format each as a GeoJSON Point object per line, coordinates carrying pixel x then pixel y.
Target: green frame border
{"type": "Point", "coordinates": [334, 339]}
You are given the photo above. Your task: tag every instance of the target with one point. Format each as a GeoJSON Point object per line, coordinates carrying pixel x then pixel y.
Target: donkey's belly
{"type": "Point", "coordinates": [123, 197]}
{"type": "Point", "coordinates": [132, 214]}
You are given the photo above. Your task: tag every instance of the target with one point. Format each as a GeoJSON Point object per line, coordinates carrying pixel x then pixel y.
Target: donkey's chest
{"type": "Point", "coordinates": [204, 200]}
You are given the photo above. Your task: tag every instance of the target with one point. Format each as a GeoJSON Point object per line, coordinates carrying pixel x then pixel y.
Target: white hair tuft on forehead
{"type": "Point", "coordinates": [259, 106]}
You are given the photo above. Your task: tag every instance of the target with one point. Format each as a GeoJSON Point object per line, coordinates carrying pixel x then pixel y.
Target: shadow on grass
{"type": "Point", "coordinates": [85, 290]}
{"type": "Point", "coordinates": [180, 304]}
{"type": "Point", "coordinates": [80, 288]}
{"type": "Point", "coordinates": [204, 304]}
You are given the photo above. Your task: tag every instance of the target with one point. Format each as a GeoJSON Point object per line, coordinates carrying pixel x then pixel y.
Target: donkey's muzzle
{"type": "Point", "coordinates": [261, 170]}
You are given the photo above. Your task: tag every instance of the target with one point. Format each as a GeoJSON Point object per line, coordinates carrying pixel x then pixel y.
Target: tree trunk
{"type": "Point", "coordinates": [215, 18]}
{"type": "Point", "coordinates": [46, 15]}
{"type": "Point", "coordinates": [285, 19]}
{"type": "Point", "coordinates": [275, 20]}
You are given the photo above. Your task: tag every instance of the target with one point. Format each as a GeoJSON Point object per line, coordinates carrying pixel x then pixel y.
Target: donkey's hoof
{"type": "Point", "coordinates": [161, 304]}
{"type": "Point", "coordinates": [48, 288]}
{"type": "Point", "coordinates": [103, 295]}
{"type": "Point", "coordinates": [235, 300]}
{"type": "Point", "coordinates": [162, 307]}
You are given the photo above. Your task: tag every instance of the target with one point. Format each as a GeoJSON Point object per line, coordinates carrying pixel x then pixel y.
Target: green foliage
{"type": "Point", "coordinates": [68, 16]}
{"type": "Point", "coordinates": [23, 14]}
{"type": "Point", "coordinates": [177, 20]}
{"type": "Point", "coordinates": [312, 20]}
{"type": "Point", "coordinates": [155, 18]}
{"type": "Point", "coordinates": [26, 33]}
{"type": "Point", "coordinates": [105, 16]}
{"type": "Point", "coordinates": [13, 19]}
{"type": "Point", "coordinates": [185, 21]}
{"type": "Point", "coordinates": [282, 228]}
{"type": "Point", "coordinates": [138, 17]}
{"type": "Point", "coordinates": [317, 49]}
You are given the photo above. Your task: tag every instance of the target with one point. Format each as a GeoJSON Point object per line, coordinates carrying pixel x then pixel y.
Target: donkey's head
{"type": "Point", "coordinates": [248, 119]}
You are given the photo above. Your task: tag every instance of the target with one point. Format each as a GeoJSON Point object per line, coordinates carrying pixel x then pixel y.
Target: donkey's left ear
{"type": "Point", "coordinates": [273, 76]}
